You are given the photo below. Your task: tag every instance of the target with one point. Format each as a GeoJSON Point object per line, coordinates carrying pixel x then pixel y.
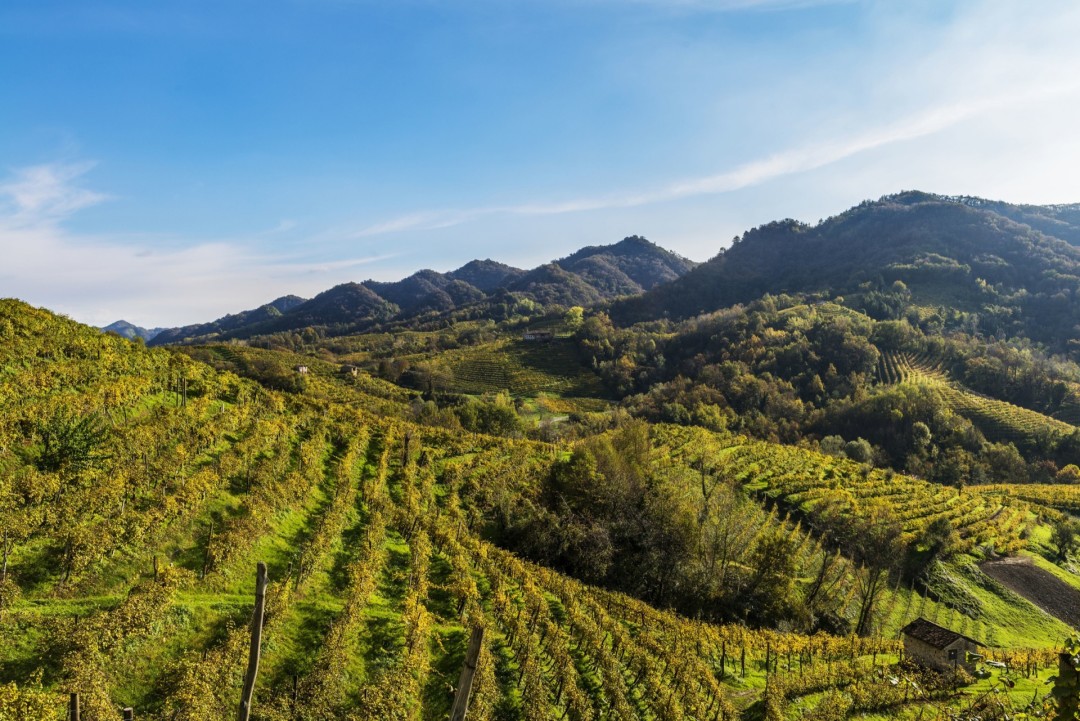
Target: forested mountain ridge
{"type": "Point", "coordinates": [589, 276]}
{"type": "Point", "coordinates": [964, 253]}
{"type": "Point", "coordinates": [263, 313]}
{"type": "Point", "coordinates": [1014, 267]}
{"type": "Point", "coordinates": [1061, 221]}
{"type": "Point", "coordinates": [131, 331]}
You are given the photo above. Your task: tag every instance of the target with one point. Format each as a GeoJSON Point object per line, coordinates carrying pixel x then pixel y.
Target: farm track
{"type": "Point", "coordinates": [1041, 587]}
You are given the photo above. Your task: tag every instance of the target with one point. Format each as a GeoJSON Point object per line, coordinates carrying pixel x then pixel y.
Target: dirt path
{"type": "Point", "coordinates": [1044, 589]}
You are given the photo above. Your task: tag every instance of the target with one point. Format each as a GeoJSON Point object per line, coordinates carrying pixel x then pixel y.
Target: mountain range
{"type": "Point", "coordinates": [591, 275]}
{"type": "Point", "coordinates": [1016, 266]}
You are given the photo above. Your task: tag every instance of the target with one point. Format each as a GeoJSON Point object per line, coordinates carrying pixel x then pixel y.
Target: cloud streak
{"type": "Point", "coordinates": [756, 172]}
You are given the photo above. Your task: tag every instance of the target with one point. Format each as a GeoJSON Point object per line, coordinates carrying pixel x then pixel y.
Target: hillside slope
{"type": "Point", "coordinates": [963, 255]}
{"type": "Point", "coordinates": [206, 331]}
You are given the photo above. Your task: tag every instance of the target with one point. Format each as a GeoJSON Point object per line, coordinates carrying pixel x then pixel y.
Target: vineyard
{"type": "Point", "coordinates": [827, 309]}
{"type": "Point", "coordinates": [139, 488]}
{"type": "Point", "coordinates": [834, 491]}
{"type": "Point", "coordinates": [831, 496]}
{"type": "Point", "coordinates": [520, 367]}
{"type": "Point", "coordinates": [998, 420]}
{"type": "Point", "coordinates": [1060, 497]}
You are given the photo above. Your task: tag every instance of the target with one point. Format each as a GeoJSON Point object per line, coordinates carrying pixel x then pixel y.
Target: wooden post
{"type": "Point", "coordinates": [129, 714]}
{"type": "Point", "coordinates": [206, 555]}
{"type": "Point", "coordinates": [256, 643]}
{"type": "Point", "coordinates": [73, 707]}
{"type": "Point", "coordinates": [3, 570]}
{"type": "Point", "coordinates": [468, 670]}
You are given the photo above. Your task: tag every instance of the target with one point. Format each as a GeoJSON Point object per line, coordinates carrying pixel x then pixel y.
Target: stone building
{"type": "Point", "coordinates": [937, 647]}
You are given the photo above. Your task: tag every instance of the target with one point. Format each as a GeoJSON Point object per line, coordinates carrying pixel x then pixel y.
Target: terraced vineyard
{"type": "Point", "coordinates": [368, 618]}
{"type": "Point", "coordinates": [831, 492]}
{"type": "Point", "coordinates": [830, 496]}
{"type": "Point", "coordinates": [1055, 496]}
{"type": "Point", "coordinates": [998, 420]}
{"type": "Point", "coordinates": [323, 379]}
{"type": "Point", "coordinates": [376, 577]}
{"type": "Point", "coordinates": [826, 309]}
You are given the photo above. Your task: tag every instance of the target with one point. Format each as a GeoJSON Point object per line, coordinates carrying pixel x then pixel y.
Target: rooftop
{"type": "Point", "coordinates": [933, 634]}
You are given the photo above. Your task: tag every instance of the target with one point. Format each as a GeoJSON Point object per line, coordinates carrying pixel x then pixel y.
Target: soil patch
{"type": "Point", "coordinates": [1042, 588]}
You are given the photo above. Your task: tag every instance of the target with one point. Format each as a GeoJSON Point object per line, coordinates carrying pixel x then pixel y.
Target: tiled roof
{"type": "Point", "coordinates": [933, 634]}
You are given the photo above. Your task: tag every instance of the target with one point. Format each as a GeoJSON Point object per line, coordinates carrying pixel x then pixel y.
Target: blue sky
{"type": "Point", "coordinates": [168, 162]}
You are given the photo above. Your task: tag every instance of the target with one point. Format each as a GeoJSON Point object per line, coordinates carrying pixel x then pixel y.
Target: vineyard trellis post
{"type": "Point", "coordinates": [73, 707]}
{"type": "Point", "coordinates": [206, 554]}
{"type": "Point", "coordinates": [256, 643]}
{"type": "Point", "coordinates": [468, 671]}
{"type": "Point", "coordinates": [4, 567]}
{"type": "Point", "coordinates": [129, 714]}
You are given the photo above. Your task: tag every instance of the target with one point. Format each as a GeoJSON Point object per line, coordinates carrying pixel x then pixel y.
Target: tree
{"type": "Point", "coordinates": [859, 450]}
{"type": "Point", "coordinates": [1064, 536]}
{"type": "Point", "coordinates": [1069, 474]}
{"type": "Point", "coordinates": [574, 318]}
{"type": "Point", "coordinates": [68, 443]}
{"type": "Point", "coordinates": [939, 537]}
{"type": "Point", "coordinates": [771, 588]}
{"type": "Point", "coordinates": [879, 542]}
{"type": "Point", "coordinates": [920, 436]}
{"type": "Point", "coordinates": [833, 445]}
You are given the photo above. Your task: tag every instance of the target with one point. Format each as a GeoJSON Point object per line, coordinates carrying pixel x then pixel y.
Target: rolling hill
{"type": "Point", "coordinates": [590, 276]}
{"type": "Point", "coordinates": [263, 313]}
{"type": "Point", "coordinates": [130, 331]}
{"type": "Point", "coordinates": [971, 255]}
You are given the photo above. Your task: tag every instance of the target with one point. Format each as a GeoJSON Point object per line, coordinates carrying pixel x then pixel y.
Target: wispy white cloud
{"type": "Point", "coordinates": [97, 279]}
{"type": "Point", "coordinates": [756, 172]}
{"type": "Point", "coordinates": [45, 192]}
